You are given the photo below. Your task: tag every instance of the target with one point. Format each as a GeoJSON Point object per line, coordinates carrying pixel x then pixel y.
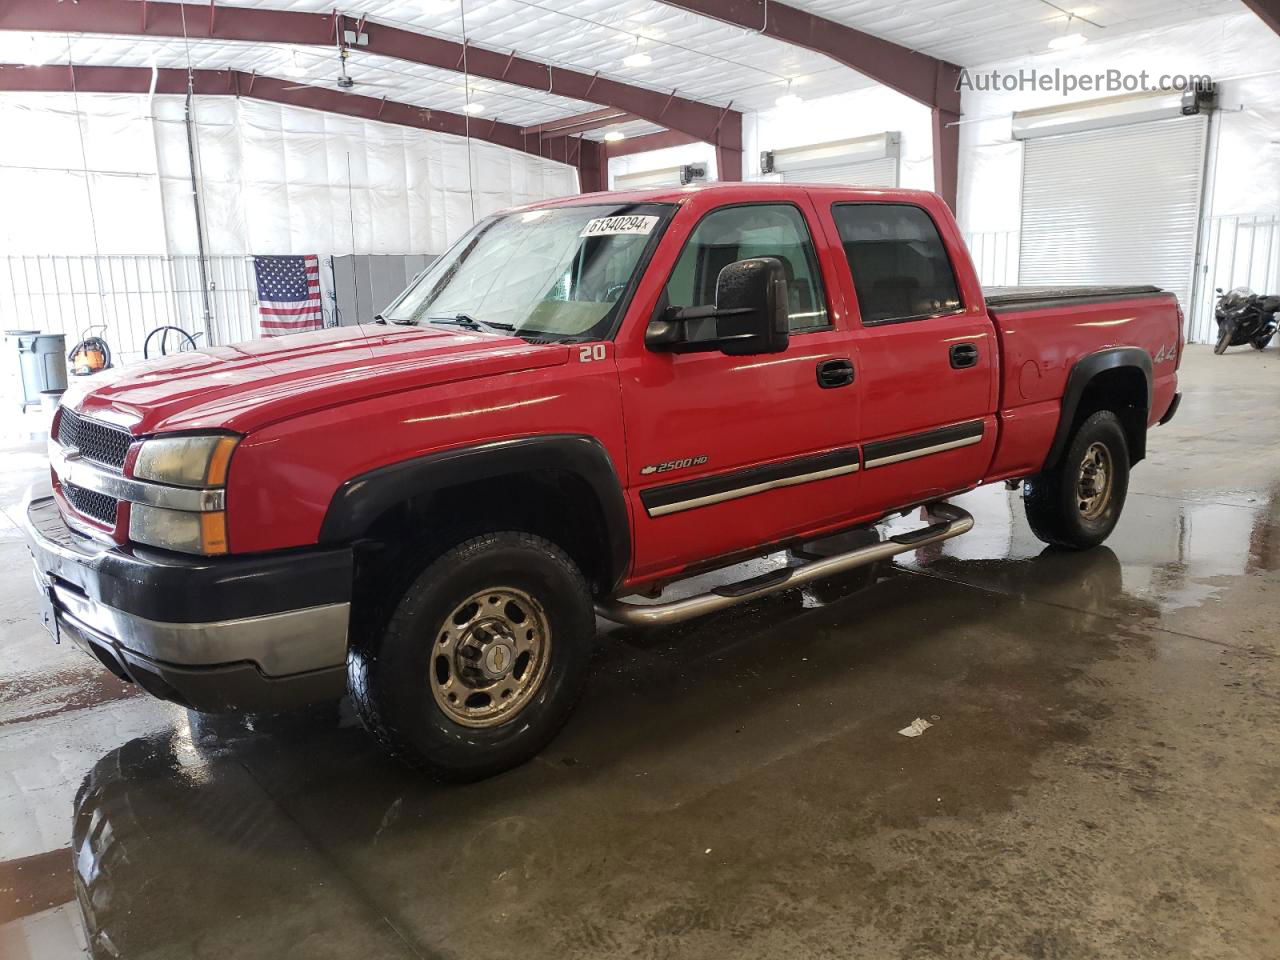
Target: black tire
{"type": "Point", "coordinates": [1052, 499]}
{"type": "Point", "coordinates": [1260, 343]}
{"type": "Point", "coordinates": [1225, 332]}
{"type": "Point", "coordinates": [391, 675]}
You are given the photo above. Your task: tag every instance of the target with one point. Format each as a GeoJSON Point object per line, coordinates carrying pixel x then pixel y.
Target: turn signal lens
{"type": "Point", "coordinates": [220, 461]}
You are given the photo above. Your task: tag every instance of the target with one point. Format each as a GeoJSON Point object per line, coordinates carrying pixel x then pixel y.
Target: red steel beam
{"type": "Point", "coordinates": [580, 123]}
{"type": "Point", "coordinates": [1268, 11]}
{"type": "Point", "coordinates": [255, 25]}
{"type": "Point", "coordinates": [647, 142]}
{"type": "Point", "coordinates": [584, 154]}
{"type": "Point", "coordinates": [919, 76]}
{"type": "Point", "coordinates": [923, 78]}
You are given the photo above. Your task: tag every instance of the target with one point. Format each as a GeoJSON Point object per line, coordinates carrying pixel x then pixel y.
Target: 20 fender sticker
{"type": "Point", "coordinates": [618, 226]}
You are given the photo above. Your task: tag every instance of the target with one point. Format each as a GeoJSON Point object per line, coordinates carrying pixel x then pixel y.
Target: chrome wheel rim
{"type": "Point", "coordinates": [1093, 487]}
{"type": "Point", "coordinates": [490, 657]}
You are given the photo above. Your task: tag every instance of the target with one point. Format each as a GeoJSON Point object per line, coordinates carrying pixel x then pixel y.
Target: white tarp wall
{"type": "Point", "coordinates": [1241, 205]}
{"type": "Point", "coordinates": [274, 179]}
{"type": "Point", "coordinates": [844, 116]}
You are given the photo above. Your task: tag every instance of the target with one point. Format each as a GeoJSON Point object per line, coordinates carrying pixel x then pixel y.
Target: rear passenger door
{"type": "Point", "coordinates": [926, 354]}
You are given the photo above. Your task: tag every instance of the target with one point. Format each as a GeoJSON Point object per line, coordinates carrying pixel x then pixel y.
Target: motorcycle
{"type": "Point", "coordinates": [1245, 317]}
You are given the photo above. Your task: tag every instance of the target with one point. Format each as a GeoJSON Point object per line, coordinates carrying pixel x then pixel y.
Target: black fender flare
{"type": "Point", "coordinates": [1085, 369]}
{"type": "Point", "coordinates": [362, 499]}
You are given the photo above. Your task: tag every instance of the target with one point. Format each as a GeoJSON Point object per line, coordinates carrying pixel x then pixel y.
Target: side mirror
{"type": "Point", "coordinates": [750, 315]}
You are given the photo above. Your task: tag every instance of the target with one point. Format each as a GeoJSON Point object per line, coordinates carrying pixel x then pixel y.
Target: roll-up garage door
{"type": "Point", "coordinates": [870, 161]}
{"type": "Point", "coordinates": [1114, 206]}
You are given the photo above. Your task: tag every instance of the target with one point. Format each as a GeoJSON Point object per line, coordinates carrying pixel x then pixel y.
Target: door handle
{"type": "Point", "coordinates": [835, 373]}
{"type": "Point", "coordinates": [964, 355]}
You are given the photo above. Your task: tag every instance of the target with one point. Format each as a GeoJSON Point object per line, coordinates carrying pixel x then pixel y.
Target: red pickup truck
{"type": "Point", "coordinates": [579, 404]}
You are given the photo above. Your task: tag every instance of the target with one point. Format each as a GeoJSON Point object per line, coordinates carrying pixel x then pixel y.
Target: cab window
{"type": "Point", "coordinates": [900, 266]}
{"type": "Point", "coordinates": [739, 233]}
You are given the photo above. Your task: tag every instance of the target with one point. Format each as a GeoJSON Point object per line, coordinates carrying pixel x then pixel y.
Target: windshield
{"type": "Point", "coordinates": [557, 273]}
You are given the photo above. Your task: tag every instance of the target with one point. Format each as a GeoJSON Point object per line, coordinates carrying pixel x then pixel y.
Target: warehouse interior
{"type": "Point", "coordinates": [1095, 772]}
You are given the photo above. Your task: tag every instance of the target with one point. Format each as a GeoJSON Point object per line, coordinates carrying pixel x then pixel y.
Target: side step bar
{"type": "Point", "coordinates": [946, 521]}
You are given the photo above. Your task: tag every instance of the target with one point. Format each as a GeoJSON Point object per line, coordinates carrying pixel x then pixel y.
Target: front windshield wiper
{"type": "Point", "coordinates": [471, 323]}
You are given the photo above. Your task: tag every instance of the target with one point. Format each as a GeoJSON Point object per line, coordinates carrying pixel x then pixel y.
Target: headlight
{"type": "Point", "coordinates": [204, 533]}
{"type": "Point", "coordinates": [185, 461]}
{"type": "Point", "coordinates": [198, 461]}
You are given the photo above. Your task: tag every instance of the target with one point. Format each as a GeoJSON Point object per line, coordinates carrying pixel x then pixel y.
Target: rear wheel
{"type": "Point", "coordinates": [1078, 503]}
{"type": "Point", "coordinates": [1260, 343]}
{"type": "Point", "coordinates": [482, 660]}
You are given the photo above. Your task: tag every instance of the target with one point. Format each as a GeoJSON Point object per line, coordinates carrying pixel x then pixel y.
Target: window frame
{"type": "Point", "coordinates": [853, 282]}
{"type": "Point", "coordinates": [663, 301]}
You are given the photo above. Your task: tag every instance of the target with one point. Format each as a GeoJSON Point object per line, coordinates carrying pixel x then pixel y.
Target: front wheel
{"type": "Point", "coordinates": [1225, 332]}
{"type": "Point", "coordinates": [1077, 503]}
{"type": "Point", "coordinates": [482, 660]}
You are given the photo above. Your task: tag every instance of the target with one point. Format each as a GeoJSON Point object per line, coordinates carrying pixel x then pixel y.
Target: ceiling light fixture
{"type": "Point", "coordinates": [613, 136]}
{"type": "Point", "coordinates": [1068, 42]}
{"type": "Point", "coordinates": [36, 53]}
{"type": "Point", "coordinates": [637, 60]}
{"type": "Point", "coordinates": [474, 108]}
{"type": "Point", "coordinates": [788, 99]}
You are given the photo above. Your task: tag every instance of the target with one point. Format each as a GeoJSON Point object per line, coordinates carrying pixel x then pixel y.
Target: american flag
{"type": "Point", "coordinates": [288, 294]}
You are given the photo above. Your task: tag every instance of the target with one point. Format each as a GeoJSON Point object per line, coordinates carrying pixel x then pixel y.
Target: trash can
{"type": "Point", "coordinates": [42, 359]}
{"type": "Point", "coordinates": [24, 394]}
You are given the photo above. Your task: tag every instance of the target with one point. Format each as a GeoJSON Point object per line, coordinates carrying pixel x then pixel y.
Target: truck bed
{"type": "Point", "coordinates": [1007, 299]}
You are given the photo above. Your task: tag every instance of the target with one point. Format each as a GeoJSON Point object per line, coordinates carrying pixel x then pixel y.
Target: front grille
{"type": "Point", "coordinates": [95, 441]}
{"type": "Point", "coordinates": [91, 503]}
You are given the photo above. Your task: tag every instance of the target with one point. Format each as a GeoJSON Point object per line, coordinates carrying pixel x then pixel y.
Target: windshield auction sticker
{"type": "Point", "coordinates": [618, 226]}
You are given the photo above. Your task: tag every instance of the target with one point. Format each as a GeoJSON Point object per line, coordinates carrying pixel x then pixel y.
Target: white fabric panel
{"type": "Point", "coordinates": [274, 179]}
{"type": "Point", "coordinates": [1114, 206]}
{"type": "Point", "coordinates": [844, 116]}
{"type": "Point", "coordinates": [662, 159]}
{"type": "Point", "coordinates": [867, 173]}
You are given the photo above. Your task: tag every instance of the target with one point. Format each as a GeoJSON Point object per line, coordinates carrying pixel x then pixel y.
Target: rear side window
{"type": "Point", "coordinates": [739, 233]}
{"type": "Point", "coordinates": [900, 266]}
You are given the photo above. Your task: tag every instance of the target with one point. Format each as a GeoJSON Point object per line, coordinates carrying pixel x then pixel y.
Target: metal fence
{"type": "Point", "coordinates": [123, 297]}
{"type": "Point", "coordinates": [995, 256]}
{"type": "Point", "coordinates": [1239, 251]}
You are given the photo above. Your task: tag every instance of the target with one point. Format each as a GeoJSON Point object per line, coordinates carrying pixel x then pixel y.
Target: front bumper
{"type": "Point", "coordinates": [256, 633]}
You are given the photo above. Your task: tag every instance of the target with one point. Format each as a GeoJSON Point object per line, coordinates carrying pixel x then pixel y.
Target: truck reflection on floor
{"type": "Point", "coordinates": [247, 837]}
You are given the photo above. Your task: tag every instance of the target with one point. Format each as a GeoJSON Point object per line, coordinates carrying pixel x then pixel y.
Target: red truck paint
{"type": "Point", "coordinates": [318, 409]}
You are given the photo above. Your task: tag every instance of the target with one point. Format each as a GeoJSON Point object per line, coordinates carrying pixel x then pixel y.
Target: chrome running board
{"type": "Point", "coordinates": [947, 521]}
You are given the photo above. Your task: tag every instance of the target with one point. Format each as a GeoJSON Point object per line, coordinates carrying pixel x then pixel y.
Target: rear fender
{"type": "Point", "coordinates": [1086, 370]}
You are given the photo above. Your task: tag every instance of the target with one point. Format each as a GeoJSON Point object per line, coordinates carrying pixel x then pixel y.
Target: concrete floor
{"type": "Point", "coordinates": [1101, 779]}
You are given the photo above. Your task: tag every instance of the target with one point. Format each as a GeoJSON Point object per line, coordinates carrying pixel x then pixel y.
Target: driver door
{"type": "Point", "coordinates": [726, 453]}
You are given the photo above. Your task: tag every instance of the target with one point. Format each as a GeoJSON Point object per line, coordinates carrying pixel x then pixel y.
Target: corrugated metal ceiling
{"type": "Point", "coordinates": [702, 58]}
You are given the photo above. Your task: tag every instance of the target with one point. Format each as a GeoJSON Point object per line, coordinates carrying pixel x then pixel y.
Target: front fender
{"type": "Point", "coordinates": [363, 499]}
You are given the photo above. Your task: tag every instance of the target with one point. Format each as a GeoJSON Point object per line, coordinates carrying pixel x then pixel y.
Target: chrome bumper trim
{"type": "Point", "coordinates": [279, 644]}
{"type": "Point", "coordinates": [88, 475]}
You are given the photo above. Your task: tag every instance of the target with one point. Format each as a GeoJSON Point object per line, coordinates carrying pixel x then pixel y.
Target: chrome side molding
{"type": "Point", "coordinates": [946, 521]}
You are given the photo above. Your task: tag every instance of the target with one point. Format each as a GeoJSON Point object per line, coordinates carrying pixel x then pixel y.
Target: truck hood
{"type": "Point", "coordinates": [248, 385]}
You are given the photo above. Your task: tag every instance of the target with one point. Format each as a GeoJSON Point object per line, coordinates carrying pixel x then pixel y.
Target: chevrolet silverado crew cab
{"type": "Point", "coordinates": [581, 403]}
